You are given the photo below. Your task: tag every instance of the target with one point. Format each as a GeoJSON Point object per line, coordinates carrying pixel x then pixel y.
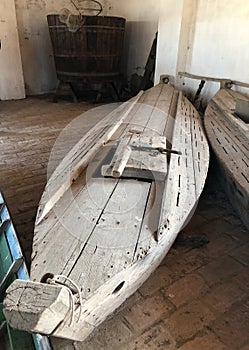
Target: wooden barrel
{"type": "Point", "coordinates": [92, 54]}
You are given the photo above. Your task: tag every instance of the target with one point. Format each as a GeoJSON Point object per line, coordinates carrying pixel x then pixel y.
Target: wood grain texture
{"type": "Point", "coordinates": [36, 307]}
{"type": "Point", "coordinates": [229, 137]}
{"type": "Point", "coordinates": [222, 81]}
{"type": "Point", "coordinates": [139, 156]}
{"type": "Point", "coordinates": [109, 234]}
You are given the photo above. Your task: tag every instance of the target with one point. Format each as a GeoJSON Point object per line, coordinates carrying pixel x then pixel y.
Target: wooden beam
{"type": "Point", "coordinates": [225, 82]}
{"type": "Point", "coordinates": [121, 162]}
{"type": "Point", "coordinates": [140, 157]}
{"type": "Point", "coordinates": [36, 307]}
{"type": "Point", "coordinates": [64, 179]}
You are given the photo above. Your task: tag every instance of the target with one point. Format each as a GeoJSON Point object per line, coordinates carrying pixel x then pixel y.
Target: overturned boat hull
{"type": "Point", "coordinates": [110, 213]}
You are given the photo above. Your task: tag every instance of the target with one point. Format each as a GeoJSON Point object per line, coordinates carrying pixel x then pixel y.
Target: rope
{"type": "Point", "coordinates": [80, 9]}
{"type": "Point", "coordinates": [76, 289]}
{"type": "Point", "coordinates": [75, 22]}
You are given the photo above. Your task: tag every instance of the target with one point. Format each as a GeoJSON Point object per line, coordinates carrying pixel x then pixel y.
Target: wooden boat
{"type": "Point", "coordinates": [227, 127]}
{"type": "Point", "coordinates": [228, 132]}
{"type": "Point", "coordinates": [110, 213]}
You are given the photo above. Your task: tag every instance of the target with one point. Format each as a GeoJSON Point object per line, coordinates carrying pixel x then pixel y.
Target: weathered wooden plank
{"type": "Point", "coordinates": [223, 81]}
{"type": "Point", "coordinates": [236, 194]}
{"type": "Point", "coordinates": [139, 156]}
{"type": "Point", "coordinates": [160, 114]}
{"type": "Point", "coordinates": [226, 101]}
{"type": "Point", "coordinates": [148, 237]}
{"type": "Point", "coordinates": [111, 245]}
{"type": "Point", "coordinates": [216, 116]}
{"type": "Point", "coordinates": [235, 162]}
{"type": "Point", "coordinates": [80, 155]}
{"type": "Point", "coordinates": [36, 307]}
{"type": "Point", "coordinates": [199, 148]}
{"type": "Point", "coordinates": [74, 227]}
{"type": "Point", "coordinates": [229, 138]}
{"type": "Point", "coordinates": [80, 212]}
{"type": "Point", "coordinates": [136, 120]}
{"type": "Point", "coordinates": [118, 231]}
{"type": "Point", "coordinates": [242, 110]}
{"type": "Point", "coordinates": [119, 160]}
{"type": "Point", "coordinates": [181, 185]}
{"type": "Point", "coordinates": [61, 207]}
{"type": "Point", "coordinates": [231, 146]}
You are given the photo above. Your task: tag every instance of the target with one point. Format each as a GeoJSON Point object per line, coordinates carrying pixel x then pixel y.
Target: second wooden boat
{"type": "Point", "coordinates": [110, 213]}
{"type": "Point", "coordinates": [228, 133]}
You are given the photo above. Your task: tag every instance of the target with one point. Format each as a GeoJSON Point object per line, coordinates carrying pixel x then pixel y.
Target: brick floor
{"type": "Point", "coordinates": [188, 320]}
{"type": "Point", "coordinates": [141, 315]}
{"type": "Point", "coordinates": [163, 276]}
{"type": "Point", "coordinates": [185, 289]}
{"type": "Point", "coordinates": [206, 341]}
{"type": "Point", "coordinates": [157, 337]}
{"type": "Point", "coordinates": [220, 269]}
{"type": "Point", "coordinates": [236, 320]}
{"type": "Point", "coordinates": [222, 296]}
{"type": "Point", "coordinates": [196, 300]}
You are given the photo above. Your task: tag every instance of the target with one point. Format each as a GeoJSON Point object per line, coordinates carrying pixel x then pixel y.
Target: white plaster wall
{"type": "Point", "coordinates": [141, 27]}
{"type": "Point", "coordinates": [169, 29]}
{"type": "Point", "coordinates": [219, 41]}
{"type": "Point", "coordinates": [11, 77]}
{"type": "Point", "coordinates": [36, 51]}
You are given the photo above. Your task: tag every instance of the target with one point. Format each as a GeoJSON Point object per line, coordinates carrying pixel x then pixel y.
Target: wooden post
{"type": "Point", "coordinates": [121, 162]}
{"type": "Point", "coordinates": [36, 307]}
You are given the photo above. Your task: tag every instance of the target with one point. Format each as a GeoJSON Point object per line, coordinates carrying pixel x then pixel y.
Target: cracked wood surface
{"type": "Point", "coordinates": [109, 234]}
{"type": "Point", "coordinates": [34, 306]}
{"type": "Point", "coordinates": [229, 138]}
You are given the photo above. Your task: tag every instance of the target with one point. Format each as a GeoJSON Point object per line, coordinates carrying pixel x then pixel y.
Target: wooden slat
{"type": "Point", "coordinates": [114, 232]}
{"type": "Point", "coordinates": [199, 149]}
{"type": "Point", "coordinates": [229, 138]}
{"type": "Point", "coordinates": [231, 146]}
{"type": "Point", "coordinates": [107, 264]}
{"type": "Point", "coordinates": [223, 81]}
{"type": "Point", "coordinates": [181, 183]}
{"type": "Point", "coordinates": [111, 245]}
{"type": "Point", "coordinates": [121, 188]}
{"type": "Point", "coordinates": [147, 239]}
{"type": "Point", "coordinates": [160, 114]}
{"type": "Point", "coordinates": [139, 156]}
{"type": "Point", "coordinates": [215, 115]}
{"type": "Point", "coordinates": [119, 160]}
{"type": "Point", "coordinates": [226, 100]}
{"type": "Point", "coordinates": [74, 227]}
{"type": "Point", "coordinates": [80, 155]}
{"type": "Point", "coordinates": [233, 157]}
{"type": "Point", "coordinates": [70, 226]}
